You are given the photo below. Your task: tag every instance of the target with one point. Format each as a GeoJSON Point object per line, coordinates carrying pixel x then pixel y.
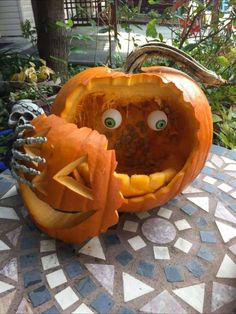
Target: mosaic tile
{"type": "Point", "coordinates": [126, 310]}
{"type": "Point", "coordinates": [207, 170]}
{"type": "Point", "coordinates": [188, 209]}
{"type": "Point", "coordinates": [47, 246]}
{"type": "Point", "coordinates": [231, 167]}
{"type": "Point", "coordinates": [210, 165]}
{"type": "Point", "coordinates": [191, 189]}
{"type": "Point", "coordinates": [8, 213]}
{"type": "Point", "coordinates": [228, 160]}
{"type": "Point", "coordinates": [56, 278]}
{"type": "Point", "coordinates": [93, 248]}
{"type": "Point", "coordinates": [85, 286]}
{"type": "Point", "coordinates": [225, 187]}
{"type": "Point", "coordinates": [200, 201]}
{"type": "Point", "coordinates": [13, 235]}
{"type": "Point", "coordinates": [6, 185]}
{"type": "Point", "coordinates": [24, 307]}
{"type": "Point", "coordinates": [161, 252]}
{"type": "Point", "coordinates": [233, 195]}
{"type": "Point", "coordinates": [206, 254]}
{"type": "Point", "coordinates": [233, 207]}
{"type": "Point", "coordinates": [232, 154]}
{"type": "Point", "coordinates": [142, 215]}
{"type": "Point", "coordinates": [227, 268]}
{"type": "Point", "coordinates": [225, 197]}
{"type": "Point", "coordinates": [32, 277]}
{"type": "Point", "coordinates": [227, 232]}
{"type": "Point", "coordinates": [4, 246]}
{"type": "Point", "coordinates": [183, 245]}
{"type": "Point", "coordinates": [124, 258]}
{"type": "Point", "coordinates": [83, 309]}
{"type": "Point", "coordinates": [146, 269]}
{"type": "Point", "coordinates": [131, 226]}
{"type": "Point", "coordinates": [102, 304]}
{"type": "Point", "coordinates": [66, 298]}
{"type": "Point", "coordinates": [29, 260]}
{"type": "Point", "coordinates": [223, 213]}
{"type": "Point", "coordinates": [217, 161]}
{"type": "Point", "coordinates": [163, 303]}
{"type": "Point", "coordinates": [201, 221]}
{"type": "Point", "coordinates": [50, 261]}
{"type": "Point", "coordinates": [29, 243]}
{"type": "Point", "coordinates": [52, 310]}
{"type": "Point", "coordinates": [222, 176]}
{"type": "Point", "coordinates": [233, 248]}
{"type": "Point", "coordinates": [196, 292]}
{"type": "Point", "coordinates": [221, 295]}
{"type": "Point", "coordinates": [134, 288]}
{"type": "Point", "coordinates": [39, 296]}
{"type": "Point", "coordinates": [182, 224]}
{"type": "Point", "coordinates": [218, 150]}
{"type": "Point", "coordinates": [209, 188]}
{"type": "Point", "coordinates": [6, 301]}
{"type": "Point", "coordinates": [233, 183]}
{"type": "Point", "coordinates": [104, 274]}
{"type": "Point", "coordinates": [195, 268]}
{"type": "Point", "coordinates": [5, 286]}
{"type": "Point", "coordinates": [158, 230]}
{"type": "Point", "coordinates": [137, 243]}
{"type": "Point", "coordinates": [111, 240]}
{"type": "Point", "coordinates": [10, 270]}
{"type": "Point", "coordinates": [165, 212]}
{"type": "Point", "coordinates": [173, 274]}
{"type": "Point", "coordinates": [74, 269]}
{"type": "Point", "coordinates": [209, 180]}
{"type": "Point", "coordinates": [10, 193]}
{"type": "Point", "coordinates": [208, 236]}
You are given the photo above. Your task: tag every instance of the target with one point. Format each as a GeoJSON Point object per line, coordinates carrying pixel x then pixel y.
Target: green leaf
{"type": "Point", "coordinates": [70, 23]}
{"type": "Point", "coordinates": [189, 47]}
{"type": "Point", "coordinates": [75, 49]}
{"type": "Point", "coordinates": [61, 24]}
{"type": "Point", "coordinates": [103, 30]}
{"type": "Point", "coordinates": [222, 60]}
{"type": "Point", "coordinates": [153, 1]}
{"type": "Point", "coordinates": [161, 37]}
{"type": "Point", "coordinates": [151, 28]}
{"type": "Point", "coordinates": [216, 118]}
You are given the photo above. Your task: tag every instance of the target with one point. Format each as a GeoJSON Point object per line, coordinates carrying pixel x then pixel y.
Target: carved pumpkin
{"type": "Point", "coordinates": [156, 125]}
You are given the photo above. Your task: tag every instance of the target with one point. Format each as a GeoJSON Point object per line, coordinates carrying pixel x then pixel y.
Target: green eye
{"type": "Point", "coordinates": [160, 124]}
{"type": "Point", "coordinates": [111, 118]}
{"type": "Point", "coordinates": [110, 123]}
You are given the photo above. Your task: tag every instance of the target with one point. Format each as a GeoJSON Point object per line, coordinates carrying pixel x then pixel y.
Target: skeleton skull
{"type": "Point", "coordinates": [23, 112]}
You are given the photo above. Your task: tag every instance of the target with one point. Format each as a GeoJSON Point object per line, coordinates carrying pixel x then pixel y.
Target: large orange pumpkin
{"type": "Point", "coordinates": [156, 125]}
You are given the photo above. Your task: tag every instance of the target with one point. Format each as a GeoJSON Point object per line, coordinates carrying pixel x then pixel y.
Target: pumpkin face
{"type": "Point", "coordinates": [158, 123]}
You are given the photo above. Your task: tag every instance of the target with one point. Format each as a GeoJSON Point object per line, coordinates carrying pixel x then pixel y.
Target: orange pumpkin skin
{"type": "Point", "coordinates": [56, 203]}
{"type": "Point", "coordinates": [172, 87]}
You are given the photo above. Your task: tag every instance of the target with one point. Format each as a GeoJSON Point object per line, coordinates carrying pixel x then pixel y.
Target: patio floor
{"type": "Point", "coordinates": [179, 258]}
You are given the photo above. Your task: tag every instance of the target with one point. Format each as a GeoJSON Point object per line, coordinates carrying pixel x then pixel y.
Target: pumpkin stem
{"type": "Point", "coordinates": [136, 58]}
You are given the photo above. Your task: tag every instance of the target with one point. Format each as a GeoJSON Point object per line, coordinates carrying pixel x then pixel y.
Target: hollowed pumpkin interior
{"type": "Point", "coordinates": [147, 159]}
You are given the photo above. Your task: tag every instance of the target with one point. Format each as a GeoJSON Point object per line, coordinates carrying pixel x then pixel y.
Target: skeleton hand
{"type": "Point", "coordinates": [23, 112]}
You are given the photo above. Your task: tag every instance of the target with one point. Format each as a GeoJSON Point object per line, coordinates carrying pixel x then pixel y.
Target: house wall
{"type": "Point", "coordinates": [12, 13]}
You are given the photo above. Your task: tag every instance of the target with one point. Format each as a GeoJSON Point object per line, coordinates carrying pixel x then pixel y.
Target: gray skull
{"type": "Point", "coordinates": [23, 112]}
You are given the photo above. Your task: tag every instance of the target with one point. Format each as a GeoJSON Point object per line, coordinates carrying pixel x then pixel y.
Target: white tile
{"type": "Point", "coordinates": [142, 215]}
{"type": "Point", "coordinates": [50, 261]}
{"type": "Point", "coordinates": [209, 180]}
{"type": "Point", "coordinates": [193, 295]}
{"type": "Point", "coordinates": [56, 278]}
{"type": "Point", "coordinates": [8, 213]}
{"type": "Point", "coordinates": [5, 286]}
{"type": "Point", "coordinates": [227, 268]}
{"type": "Point", "coordinates": [131, 226]}
{"type": "Point", "coordinates": [221, 295]}
{"type": "Point", "coordinates": [104, 274]}
{"type": "Point", "coordinates": [231, 167]}
{"type": "Point", "coordinates": [223, 213]}
{"type": "Point", "coordinates": [227, 232]}
{"type": "Point", "coordinates": [233, 248]}
{"type": "Point", "coordinates": [137, 243]}
{"type": "Point", "coordinates": [6, 301]}
{"type": "Point", "coordinates": [24, 307]}
{"type": "Point", "coordinates": [3, 246]}
{"type": "Point", "coordinates": [217, 161]}
{"type": "Point", "coordinates": [161, 252]}
{"type": "Point", "coordinates": [13, 235]}
{"type": "Point", "coordinates": [66, 298]}
{"type": "Point", "coordinates": [210, 165]}
{"type": "Point", "coordinates": [134, 288]}
{"type": "Point", "coordinates": [11, 192]}
{"type": "Point", "coordinates": [201, 201]}
{"type": "Point", "coordinates": [225, 187]}
{"type": "Point", "coordinates": [165, 213]}
{"type": "Point", "coordinates": [47, 245]}
{"type": "Point", "coordinates": [10, 270]}
{"type": "Point", "coordinates": [233, 194]}
{"type": "Point", "coordinates": [228, 160]}
{"type": "Point", "coordinates": [83, 309]}
{"type": "Point", "coordinates": [93, 248]}
{"type": "Point", "coordinates": [190, 189]}
{"type": "Point", "coordinates": [182, 224]}
{"type": "Point", "coordinates": [183, 245]}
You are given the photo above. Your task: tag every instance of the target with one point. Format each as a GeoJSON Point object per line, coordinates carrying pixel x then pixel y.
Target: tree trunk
{"type": "Point", "coordinates": [52, 39]}
{"type": "Point", "coordinates": [215, 14]}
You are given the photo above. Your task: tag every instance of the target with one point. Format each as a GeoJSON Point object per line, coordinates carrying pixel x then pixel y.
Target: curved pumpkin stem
{"type": "Point", "coordinates": [136, 58]}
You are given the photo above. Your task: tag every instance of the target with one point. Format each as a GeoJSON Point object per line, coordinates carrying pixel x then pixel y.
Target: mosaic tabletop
{"type": "Point", "coordinates": [178, 258]}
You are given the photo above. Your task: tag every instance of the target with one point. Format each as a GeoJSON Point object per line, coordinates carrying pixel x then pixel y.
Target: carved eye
{"type": "Point", "coordinates": [157, 120]}
{"type": "Point", "coordinates": [111, 118]}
